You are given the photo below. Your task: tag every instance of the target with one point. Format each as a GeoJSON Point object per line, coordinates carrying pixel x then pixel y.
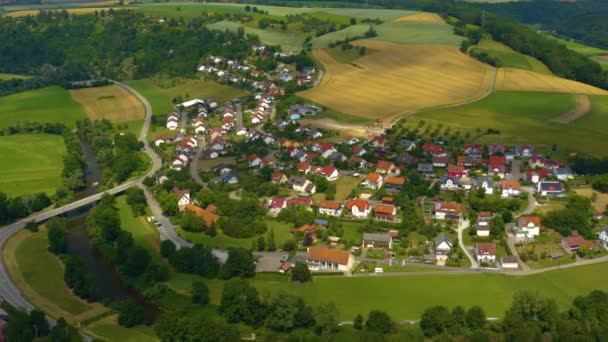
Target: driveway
{"type": "Point", "coordinates": [462, 225]}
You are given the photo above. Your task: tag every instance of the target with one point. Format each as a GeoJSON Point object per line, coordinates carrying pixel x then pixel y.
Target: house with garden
{"type": "Point", "coordinates": [485, 252]}
{"type": "Point", "coordinates": [443, 247]}
{"type": "Point", "coordinates": [376, 240]}
{"type": "Point", "coordinates": [528, 227]}
{"type": "Point", "coordinates": [510, 188]}
{"type": "Point", "coordinates": [602, 237]}
{"type": "Point", "coordinates": [325, 259]}
{"type": "Point", "coordinates": [385, 212]}
{"type": "Point", "coordinates": [574, 242]}
{"type": "Point", "coordinates": [373, 181]}
{"type": "Point", "coordinates": [359, 208]}
{"type": "Point", "coordinates": [550, 188]}
{"type": "Point", "coordinates": [331, 208]}
{"type": "Point", "coordinates": [447, 210]}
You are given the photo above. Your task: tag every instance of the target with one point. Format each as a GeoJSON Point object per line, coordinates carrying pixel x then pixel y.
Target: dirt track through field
{"type": "Point", "coordinates": [109, 102]}
{"type": "Point", "coordinates": [582, 108]}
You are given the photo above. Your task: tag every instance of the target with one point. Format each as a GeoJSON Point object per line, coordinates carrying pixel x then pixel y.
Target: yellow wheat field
{"type": "Point", "coordinates": [399, 79]}
{"type": "Point", "coordinates": [519, 79]}
{"type": "Point", "coordinates": [421, 17]}
{"type": "Point", "coordinates": [111, 102]}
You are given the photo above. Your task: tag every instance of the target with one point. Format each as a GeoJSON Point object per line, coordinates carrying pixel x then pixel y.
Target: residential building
{"type": "Point", "coordinates": [276, 204]}
{"type": "Point", "coordinates": [443, 246]}
{"type": "Point", "coordinates": [331, 208]}
{"type": "Point", "coordinates": [536, 176]}
{"type": "Point", "coordinates": [301, 184]}
{"type": "Point", "coordinates": [457, 171]}
{"type": "Point", "coordinates": [330, 173]}
{"type": "Point", "coordinates": [387, 168]}
{"type": "Point", "coordinates": [394, 184]}
{"type": "Point", "coordinates": [602, 237]}
{"type": "Point", "coordinates": [483, 228]}
{"type": "Point", "coordinates": [183, 197]}
{"type": "Point", "coordinates": [373, 181]}
{"type": "Point", "coordinates": [447, 211]}
{"type": "Point", "coordinates": [450, 183]}
{"type": "Point", "coordinates": [573, 243]}
{"type": "Point", "coordinates": [562, 173]}
{"type": "Point", "coordinates": [528, 227]}
{"type": "Point", "coordinates": [374, 240]}
{"type": "Point", "coordinates": [426, 170]}
{"type": "Point", "coordinates": [510, 188]}
{"type": "Point", "coordinates": [278, 178]}
{"type": "Point", "coordinates": [319, 259]}
{"type": "Point", "coordinates": [359, 208]}
{"type": "Point", "coordinates": [549, 188]}
{"type": "Point", "coordinates": [485, 183]}
{"type": "Point", "coordinates": [385, 212]}
{"type": "Point", "coordinates": [485, 252]}
{"type": "Point", "coordinates": [509, 262]}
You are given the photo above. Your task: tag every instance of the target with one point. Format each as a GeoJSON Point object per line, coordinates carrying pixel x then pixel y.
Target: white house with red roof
{"type": "Point", "coordinates": [359, 208]}
{"type": "Point", "coordinates": [330, 173]}
{"type": "Point", "coordinates": [276, 204]}
{"type": "Point", "coordinates": [254, 160]}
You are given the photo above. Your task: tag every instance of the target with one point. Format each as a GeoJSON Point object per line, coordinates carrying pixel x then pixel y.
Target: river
{"type": "Point", "coordinates": [92, 174]}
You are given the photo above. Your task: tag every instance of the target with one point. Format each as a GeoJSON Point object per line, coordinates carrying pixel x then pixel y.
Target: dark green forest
{"type": "Point", "coordinates": [113, 44]}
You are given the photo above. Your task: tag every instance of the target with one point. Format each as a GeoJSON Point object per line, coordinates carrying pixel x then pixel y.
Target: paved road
{"type": "Point", "coordinates": [515, 170]}
{"type": "Point", "coordinates": [194, 173]}
{"type": "Point", "coordinates": [462, 225]}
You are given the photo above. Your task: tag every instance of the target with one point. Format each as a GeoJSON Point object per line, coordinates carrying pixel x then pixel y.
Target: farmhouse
{"type": "Point", "coordinates": [331, 208]}
{"type": "Point", "coordinates": [485, 252]}
{"type": "Point", "coordinates": [319, 259]}
{"type": "Point", "coordinates": [374, 240]}
{"type": "Point", "coordinates": [359, 208]}
{"type": "Point", "coordinates": [447, 210]}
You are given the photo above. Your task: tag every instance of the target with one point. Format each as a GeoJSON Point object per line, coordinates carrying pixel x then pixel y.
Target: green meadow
{"type": "Point", "coordinates": [510, 58]}
{"type": "Point", "coordinates": [289, 41]}
{"type": "Point", "coordinates": [31, 163]}
{"type": "Point", "coordinates": [525, 117]}
{"type": "Point", "coordinates": [581, 48]}
{"type": "Point", "coordinates": [50, 104]}
{"type": "Point", "coordinates": [4, 77]}
{"type": "Point", "coordinates": [411, 32]}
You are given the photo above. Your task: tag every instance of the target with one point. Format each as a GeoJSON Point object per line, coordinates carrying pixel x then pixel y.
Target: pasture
{"type": "Point", "coordinates": [524, 117]}
{"type": "Point", "coordinates": [50, 104]}
{"type": "Point", "coordinates": [398, 79]}
{"type": "Point", "coordinates": [289, 41]}
{"type": "Point", "coordinates": [517, 79]}
{"type": "Point", "coordinates": [421, 17]}
{"type": "Point", "coordinates": [112, 102]}
{"type": "Point", "coordinates": [510, 58]}
{"type": "Point", "coordinates": [4, 77]}
{"type": "Point", "coordinates": [417, 32]}
{"type": "Point", "coordinates": [31, 163]}
{"type": "Point", "coordinates": [39, 275]}
{"type": "Point", "coordinates": [581, 48]}
{"type": "Point", "coordinates": [75, 11]}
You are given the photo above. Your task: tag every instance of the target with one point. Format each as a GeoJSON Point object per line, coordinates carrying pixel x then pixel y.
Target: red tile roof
{"type": "Point", "coordinates": [386, 209]}
{"type": "Point", "coordinates": [330, 205]}
{"type": "Point", "coordinates": [486, 249]}
{"type": "Point", "coordinates": [328, 255]}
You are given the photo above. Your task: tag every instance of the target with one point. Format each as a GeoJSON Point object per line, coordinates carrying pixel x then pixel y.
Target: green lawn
{"type": "Point", "coordinates": [583, 49]}
{"type": "Point", "coordinates": [524, 117]}
{"type": "Point", "coordinates": [143, 233]}
{"type": "Point", "coordinates": [345, 185]}
{"type": "Point", "coordinates": [510, 58]}
{"type": "Point", "coordinates": [51, 104]}
{"type": "Point", "coordinates": [352, 233]}
{"type": "Point", "coordinates": [417, 33]}
{"type": "Point", "coordinates": [31, 163]}
{"type": "Point", "coordinates": [349, 32]}
{"type": "Point", "coordinates": [406, 297]}
{"type": "Point", "coordinates": [12, 76]}
{"type": "Point", "coordinates": [115, 332]}
{"type": "Point", "coordinates": [43, 272]}
{"type": "Point", "coordinates": [282, 232]}
{"type": "Point", "coordinates": [161, 91]}
{"type": "Point", "coordinates": [289, 41]}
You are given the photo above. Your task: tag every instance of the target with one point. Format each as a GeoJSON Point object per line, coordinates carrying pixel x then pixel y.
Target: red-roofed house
{"type": "Point", "coordinates": [278, 178]}
{"type": "Point", "coordinates": [254, 160]}
{"type": "Point", "coordinates": [434, 149]}
{"type": "Point", "coordinates": [485, 252]}
{"type": "Point", "coordinates": [387, 168]}
{"type": "Point", "coordinates": [447, 210]}
{"type": "Point", "coordinates": [276, 204]}
{"type": "Point", "coordinates": [573, 243]}
{"type": "Point", "coordinates": [528, 227]}
{"type": "Point", "coordinates": [319, 258]}
{"type": "Point", "coordinates": [330, 173]}
{"type": "Point", "coordinates": [510, 188]}
{"type": "Point", "coordinates": [536, 176]}
{"type": "Point", "coordinates": [457, 171]}
{"type": "Point", "coordinates": [385, 212]}
{"type": "Point", "coordinates": [374, 181]}
{"type": "Point", "coordinates": [359, 208]}
{"type": "Point", "coordinates": [331, 208]}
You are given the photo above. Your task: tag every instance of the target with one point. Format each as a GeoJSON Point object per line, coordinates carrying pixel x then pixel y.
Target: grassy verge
{"type": "Point", "coordinates": [31, 163]}
{"type": "Point", "coordinates": [510, 58]}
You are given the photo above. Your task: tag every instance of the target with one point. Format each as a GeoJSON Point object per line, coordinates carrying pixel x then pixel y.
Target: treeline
{"type": "Point", "coordinates": [14, 208]}
{"type": "Point", "coordinates": [33, 326]}
{"type": "Point", "coordinates": [113, 44]}
{"type": "Point", "coordinates": [74, 167]}
{"type": "Point", "coordinates": [116, 152]}
{"type": "Point", "coordinates": [68, 76]}
{"type": "Point", "coordinates": [586, 21]}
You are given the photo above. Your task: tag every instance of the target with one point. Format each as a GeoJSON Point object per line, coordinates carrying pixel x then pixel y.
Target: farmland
{"type": "Point", "coordinates": [417, 32]}
{"type": "Point", "coordinates": [51, 104]}
{"type": "Point", "coordinates": [11, 76]}
{"type": "Point", "coordinates": [525, 117]}
{"type": "Point", "coordinates": [289, 41]}
{"type": "Point", "coordinates": [517, 79]}
{"type": "Point", "coordinates": [161, 91]}
{"type": "Point", "coordinates": [369, 89]}
{"type": "Point", "coordinates": [31, 163]}
{"type": "Point", "coordinates": [76, 11]}
{"type": "Point", "coordinates": [422, 17]}
{"type": "Point", "coordinates": [111, 102]}
{"type": "Point", "coordinates": [510, 58]}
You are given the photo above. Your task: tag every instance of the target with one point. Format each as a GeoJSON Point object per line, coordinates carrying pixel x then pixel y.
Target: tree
{"type": "Point", "coordinates": [261, 244]}
{"type": "Point", "coordinates": [476, 318]}
{"type": "Point", "coordinates": [130, 313]}
{"type": "Point", "coordinates": [289, 245]}
{"type": "Point", "coordinates": [282, 313]}
{"type": "Point", "coordinates": [192, 222]}
{"type": "Point", "coordinates": [326, 317]}
{"type": "Point", "coordinates": [137, 200]}
{"type": "Point", "coordinates": [240, 302]}
{"type": "Point", "coordinates": [58, 236]}
{"type": "Point", "coordinates": [379, 321]}
{"type": "Point", "coordinates": [32, 226]}
{"type": "Point", "coordinates": [167, 248]}
{"type": "Point", "coordinates": [270, 245]}
{"type": "Point", "coordinates": [172, 327]}
{"type": "Point", "coordinates": [435, 321]}
{"type": "Point", "coordinates": [301, 273]}
{"type": "Point", "coordinates": [200, 293]}
{"type": "Point", "coordinates": [62, 332]}
{"type": "Point", "coordinates": [459, 319]}
{"type": "Point", "coordinates": [240, 263]}
{"type": "Point", "coordinates": [39, 323]}
{"type": "Point", "coordinates": [358, 323]}
{"type": "Point", "coordinates": [19, 329]}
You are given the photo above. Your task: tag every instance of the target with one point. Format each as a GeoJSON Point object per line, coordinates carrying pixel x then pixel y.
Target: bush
{"type": "Point", "coordinates": [200, 293]}
{"type": "Point", "coordinates": [167, 248]}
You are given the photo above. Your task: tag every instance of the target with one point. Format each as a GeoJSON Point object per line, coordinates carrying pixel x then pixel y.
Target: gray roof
{"type": "Point", "coordinates": [441, 238]}
{"type": "Point", "coordinates": [297, 180]}
{"type": "Point", "coordinates": [479, 181]}
{"type": "Point", "coordinates": [425, 167]}
{"type": "Point", "coordinates": [563, 171]}
{"type": "Point", "coordinates": [376, 237]}
{"type": "Point", "coordinates": [551, 186]}
{"type": "Point", "coordinates": [509, 260]}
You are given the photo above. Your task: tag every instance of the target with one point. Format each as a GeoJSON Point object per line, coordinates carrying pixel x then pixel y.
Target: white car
{"type": "Point", "coordinates": [378, 270]}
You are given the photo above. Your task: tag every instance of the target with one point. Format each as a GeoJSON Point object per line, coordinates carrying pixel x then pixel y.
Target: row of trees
{"type": "Point", "coordinates": [13, 208]}
{"type": "Point", "coordinates": [34, 327]}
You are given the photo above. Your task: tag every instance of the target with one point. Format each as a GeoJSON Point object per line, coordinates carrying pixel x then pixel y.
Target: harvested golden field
{"type": "Point", "coordinates": [399, 79]}
{"type": "Point", "coordinates": [111, 102]}
{"type": "Point", "coordinates": [421, 17]}
{"type": "Point", "coordinates": [77, 11]}
{"type": "Point", "coordinates": [518, 79]}
{"type": "Point", "coordinates": [601, 199]}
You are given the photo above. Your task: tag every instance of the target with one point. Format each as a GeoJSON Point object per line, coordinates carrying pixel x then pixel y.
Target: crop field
{"type": "Point", "coordinates": [39, 274]}
{"type": "Point", "coordinates": [526, 117]}
{"type": "Point", "coordinates": [51, 104]}
{"type": "Point", "coordinates": [31, 163]}
{"type": "Point", "coordinates": [111, 102]}
{"type": "Point", "coordinates": [417, 32]}
{"type": "Point", "coordinates": [511, 58]}
{"type": "Point", "coordinates": [349, 32]}
{"type": "Point", "coordinates": [12, 76]}
{"type": "Point", "coordinates": [398, 79]}
{"type": "Point", "coordinates": [289, 41]}
{"type": "Point", "coordinates": [76, 11]}
{"type": "Point", "coordinates": [517, 79]}
{"type": "Point", "coordinates": [160, 91]}
{"type": "Point", "coordinates": [423, 17]}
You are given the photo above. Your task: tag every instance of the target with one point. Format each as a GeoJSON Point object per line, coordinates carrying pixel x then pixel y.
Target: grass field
{"type": "Point", "coordinates": [398, 79]}
{"type": "Point", "coordinates": [12, 76]}
{"type": "Point", "coordinates": [525, 117]}
{"type": "Point", "coordinates": [107, 329]}
{"type": "Point", "coordinates": [160, 91]}
{"type": "Point", "coordinates": [39, 275]}
{"type": "Point", "coordinates": [51, 104]}
{"type": "Point", "coordinates": [600, 204]}
{"type": "Point", "coordinates": [76, 11]}
{"type": "Point", "coordinates": [510, 58]}
{"type": "Point", "coordinates": [31, 163]}
{"type": "Point", "coordinates": [349, 32]}
{"type": "Point", "coordinates": [289, 41]}
{"type": "Point", "coordinates": [422, 17]}
{"type": "Point", "coordinates": [417, 32]}
{"type": "Point", "coordinates": [517, 79]}
{"type": "Point", "coordinates": [603, 60]}
{"type": "Point", "coordinates": [346, 56]}
{"type": "Point", "coordinates": [597, 119]}
{"type": "Point", "coordinates": [111, 102]}
{"type": "Point", "coordinates": [143, 233]}
{"type": "Point", "coordinates": [581, 48]}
